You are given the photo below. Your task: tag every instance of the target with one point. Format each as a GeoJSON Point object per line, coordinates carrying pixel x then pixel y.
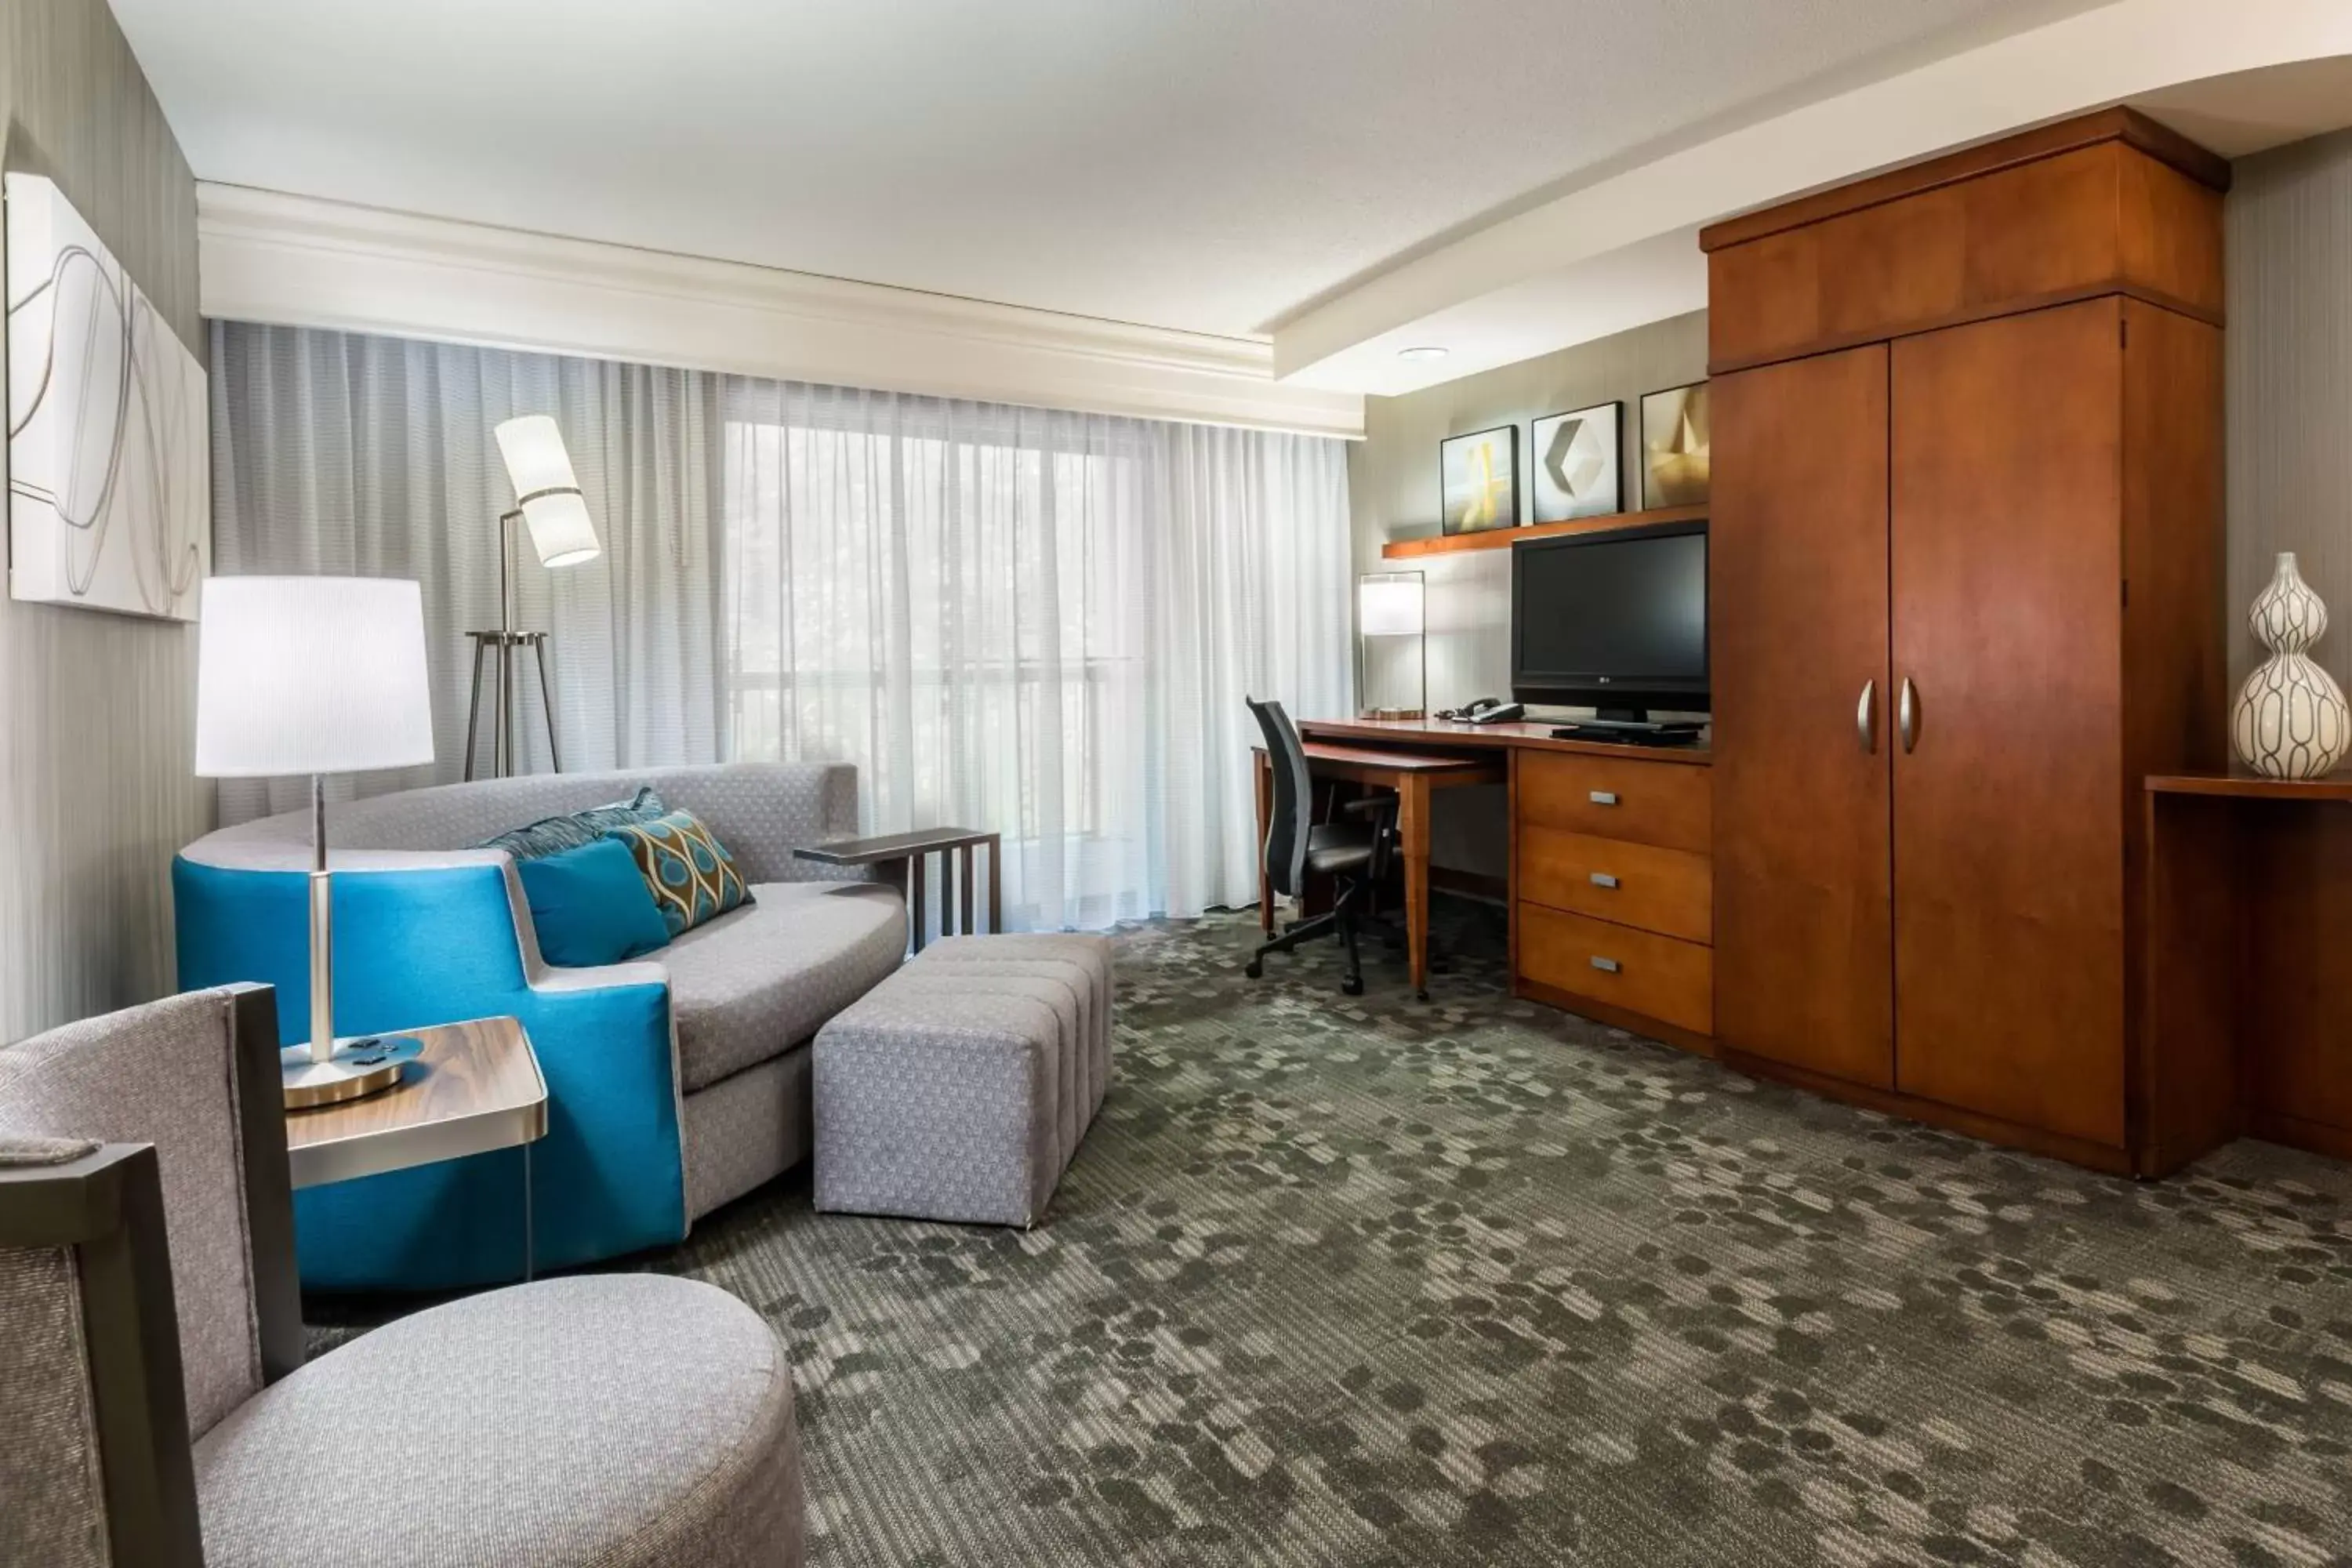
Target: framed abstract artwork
{"type": "Point", "coordinates": [1674, 446]}
{"type": "Point", "coordinates": [1580, 464]}
{"type": "Point", "coordinates": [1478, 480]}
{"type": "Point", "coordinates": [110, 444]}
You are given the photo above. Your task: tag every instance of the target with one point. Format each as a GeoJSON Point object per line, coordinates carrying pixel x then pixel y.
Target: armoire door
{"type": "Point", "coordinates": [1798, 660]}
{"type": "Point", "coordinates": [2008, 792]}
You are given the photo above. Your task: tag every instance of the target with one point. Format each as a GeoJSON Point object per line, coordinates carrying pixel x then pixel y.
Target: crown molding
{"type": "Point", "coordinates": [290, 260]}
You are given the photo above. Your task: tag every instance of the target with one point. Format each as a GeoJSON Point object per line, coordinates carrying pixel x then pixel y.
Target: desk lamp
{"type": "Point", "coordinates": [1389, 605]}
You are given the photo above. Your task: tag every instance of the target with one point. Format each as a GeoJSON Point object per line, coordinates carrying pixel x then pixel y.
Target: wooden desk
{"type": "Point", "coordinates": [1415, 775]}
{"type": "Point", "coordinates": [1611, 877]}
{"type": "Point", "coordinates": [1450, 736]}
{"type": "Point", "coordinates": [2247, 967]}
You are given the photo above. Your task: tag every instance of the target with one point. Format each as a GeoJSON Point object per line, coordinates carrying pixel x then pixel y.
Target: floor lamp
{"type": "Point", "coordinates": [317, 676]}
{"type": "Point", "coordinates": [548, 501]}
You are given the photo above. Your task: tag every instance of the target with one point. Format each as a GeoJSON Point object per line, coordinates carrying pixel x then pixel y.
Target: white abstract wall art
{"type": "Point", "coordinates": [110, 463]}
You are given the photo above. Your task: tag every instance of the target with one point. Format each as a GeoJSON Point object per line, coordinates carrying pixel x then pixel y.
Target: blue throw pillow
{"type": "Point", "coordinates": [553, 834]}
{"type": "Point", "coordinates": [591, 906]}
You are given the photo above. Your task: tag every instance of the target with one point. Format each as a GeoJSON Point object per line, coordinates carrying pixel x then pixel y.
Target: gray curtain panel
{"type": "Point", "coordinates": [1037, 622]}
{"type": "Point", "coordinates": [342, 454]}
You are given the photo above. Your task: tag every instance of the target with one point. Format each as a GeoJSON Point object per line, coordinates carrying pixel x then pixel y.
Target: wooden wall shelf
{"type": "Point", "coordinates": [1503, 537]}
{"type": "Point", "coordinates": [2253, 786]}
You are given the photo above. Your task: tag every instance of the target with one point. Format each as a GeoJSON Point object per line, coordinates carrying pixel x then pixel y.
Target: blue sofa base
{"type": "Point", "coordinates": [435, 946]}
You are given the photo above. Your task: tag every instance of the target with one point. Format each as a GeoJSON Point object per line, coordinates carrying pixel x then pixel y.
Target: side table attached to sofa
{"type": "Point", "coordinates": [901, 857]}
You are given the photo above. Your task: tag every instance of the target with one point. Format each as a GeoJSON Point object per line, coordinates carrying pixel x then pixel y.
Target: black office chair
{"type": "Point", "coordinates": [1355, 853]}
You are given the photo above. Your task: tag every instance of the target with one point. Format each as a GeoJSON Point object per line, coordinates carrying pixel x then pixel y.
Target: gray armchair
{"type": "Point", "coordinates": [150, 1354]}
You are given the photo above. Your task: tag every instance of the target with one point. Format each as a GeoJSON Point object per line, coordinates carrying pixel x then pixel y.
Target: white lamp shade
{"type": "Point", "coordinates": [541, 468]}
{"type": "Point", "coordinates": [311, 675]}
{"type": "Point", "coordinates": [560, 530]}
{"type": "Point", "coordinates": [1388, 606]}
{"type": "Point", "coordinates": [536, 458]}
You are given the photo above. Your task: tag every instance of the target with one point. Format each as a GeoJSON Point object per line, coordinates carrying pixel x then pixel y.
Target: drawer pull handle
{"type": "Point", "coordinates": [1606, 965]}
{"type": "Point", "coordinates": [1603, 879]}
{"type": "Point", "coordinates": [1603, 796]}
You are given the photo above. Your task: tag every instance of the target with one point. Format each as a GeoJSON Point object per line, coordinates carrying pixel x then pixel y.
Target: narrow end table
{"type": "Point", "coordinates": [901, 858]}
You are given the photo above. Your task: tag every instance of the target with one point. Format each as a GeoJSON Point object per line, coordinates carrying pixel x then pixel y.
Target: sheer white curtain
{"type": "Point", "coordinates": [1038, 623]}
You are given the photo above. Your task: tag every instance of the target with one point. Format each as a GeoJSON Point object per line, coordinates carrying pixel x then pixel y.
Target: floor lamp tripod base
{"type": "Point", "coordinates": [499, 649]}
{"type": "Point", "coordinates": [362, 1065]}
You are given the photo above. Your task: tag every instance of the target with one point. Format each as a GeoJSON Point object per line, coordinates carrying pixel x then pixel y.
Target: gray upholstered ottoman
{"type": "Point", "coordinates": [959, 1089]}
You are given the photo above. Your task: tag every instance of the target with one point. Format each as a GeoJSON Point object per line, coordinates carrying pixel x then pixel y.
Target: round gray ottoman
{"type": "Point", "coordinates": [624, 1420]}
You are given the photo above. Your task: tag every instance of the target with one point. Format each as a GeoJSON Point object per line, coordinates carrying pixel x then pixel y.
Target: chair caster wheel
{"type": "Point", "coordinates": [1254, 968]}
{"type": "Point", "coordinates": [1352, 987]}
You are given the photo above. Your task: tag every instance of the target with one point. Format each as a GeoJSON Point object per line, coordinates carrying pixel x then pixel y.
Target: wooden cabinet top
{"type": "Point", "coordinates": [2105, 204]}
{"type": "Point", "coordinates": [2126, 125]}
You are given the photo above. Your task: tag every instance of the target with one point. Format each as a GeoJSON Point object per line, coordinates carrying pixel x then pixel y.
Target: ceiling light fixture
{"type": "Point", "coordinates": [1429, 351]}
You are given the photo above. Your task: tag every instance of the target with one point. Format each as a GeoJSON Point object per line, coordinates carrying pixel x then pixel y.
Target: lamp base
{"type": "Point", "coordinates": [364, 1065]}
{"type": "Point", "coordinates": [1389, 713]}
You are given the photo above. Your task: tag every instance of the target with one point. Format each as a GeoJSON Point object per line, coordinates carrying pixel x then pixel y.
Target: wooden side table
{"type": "Point", "coordinates": [901, 857]}
{"type": "Point", "coordinates": [2244, 985]}
{"type": "Point", "coordinates": [474, 1087]}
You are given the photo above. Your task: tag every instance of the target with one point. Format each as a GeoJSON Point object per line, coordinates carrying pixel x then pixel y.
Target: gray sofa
{"type": "Point", "coordinates": [153, 1382]}
{"type": "Point", "coordinates": [676, 1083]}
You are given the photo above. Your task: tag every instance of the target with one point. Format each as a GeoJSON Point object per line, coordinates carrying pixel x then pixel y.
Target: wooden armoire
{"type": "Point", "coordinates": [1966, 586]}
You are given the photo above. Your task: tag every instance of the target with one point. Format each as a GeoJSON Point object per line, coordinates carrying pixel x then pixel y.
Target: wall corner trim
{"type": "Point", "coordinates": [290, 260]}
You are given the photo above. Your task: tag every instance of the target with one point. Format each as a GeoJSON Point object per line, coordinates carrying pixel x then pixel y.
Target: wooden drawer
{"type": "Point", "coordinates": [1659, 803]}
{"type": "Point", "coordinates": [1657, 977]}
{"type": "Point", "coordinates": [1639, 885]}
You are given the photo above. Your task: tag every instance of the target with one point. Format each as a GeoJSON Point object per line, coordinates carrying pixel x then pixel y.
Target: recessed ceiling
{"type": "Point", "coordinates": [1216, 166]}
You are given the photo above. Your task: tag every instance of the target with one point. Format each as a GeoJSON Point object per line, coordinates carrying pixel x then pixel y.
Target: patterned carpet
{"type": "Point", "coordinates": [1471, 1281]}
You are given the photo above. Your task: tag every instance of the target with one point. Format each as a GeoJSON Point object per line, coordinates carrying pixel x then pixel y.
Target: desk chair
{"type": "Point", "coordinates": [1356, 853]}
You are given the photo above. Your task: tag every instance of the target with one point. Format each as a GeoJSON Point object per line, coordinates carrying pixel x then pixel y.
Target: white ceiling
{"type": "Point", "coordinates": [1215, 165]}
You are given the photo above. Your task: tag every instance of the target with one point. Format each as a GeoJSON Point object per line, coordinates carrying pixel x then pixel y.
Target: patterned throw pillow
{"type": "Point", "coordinates": [692, 876]}
{"type": "Point", "coordinates": [554, 835]}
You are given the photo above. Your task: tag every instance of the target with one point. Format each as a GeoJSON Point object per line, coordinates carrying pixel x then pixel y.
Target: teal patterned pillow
{"type": "Point", "coordinates": [554, 835]}
{"type": "Point", "coordinates": [692, 876]}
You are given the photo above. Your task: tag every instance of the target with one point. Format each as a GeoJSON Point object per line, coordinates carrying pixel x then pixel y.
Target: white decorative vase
{"type": "Point", "coordinates": [2291, 721]}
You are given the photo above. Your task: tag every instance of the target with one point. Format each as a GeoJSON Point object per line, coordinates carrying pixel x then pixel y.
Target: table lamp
{"type": "Point", "coordinates": [1389, 605]}
{"type": "Point", "coordinates": [548, 504]}
{"type": "Point", "coordinates": [317, 676]}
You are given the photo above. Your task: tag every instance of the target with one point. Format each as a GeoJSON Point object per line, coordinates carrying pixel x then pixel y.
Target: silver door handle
{"type": "Point", "coordinates": [1906, 714]}
{"type": "Point", "coordinates": [1603, 879]}
{"type": "Point", "coordinates": [1865, 718]}
{"type": "Point", "coordinates": [1602, 796]}
{"type": "Point", "coordinates": [1606, 965]}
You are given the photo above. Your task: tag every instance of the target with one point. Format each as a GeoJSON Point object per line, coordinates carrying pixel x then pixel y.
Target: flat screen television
{"type": "Point", "coordinates": [1615, 620]}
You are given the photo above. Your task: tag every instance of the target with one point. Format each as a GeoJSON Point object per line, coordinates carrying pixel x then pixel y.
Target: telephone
{"type": "Point", "coordinates": [1488, 711]}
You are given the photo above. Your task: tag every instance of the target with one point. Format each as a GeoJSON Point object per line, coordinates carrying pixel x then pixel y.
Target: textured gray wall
{"type": "Point", "coordinates": [1393, 492]}
{"type": "Point", "coordinates": [97, 711]}
{"type": "Point", "coordinates": [2289, 377]}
